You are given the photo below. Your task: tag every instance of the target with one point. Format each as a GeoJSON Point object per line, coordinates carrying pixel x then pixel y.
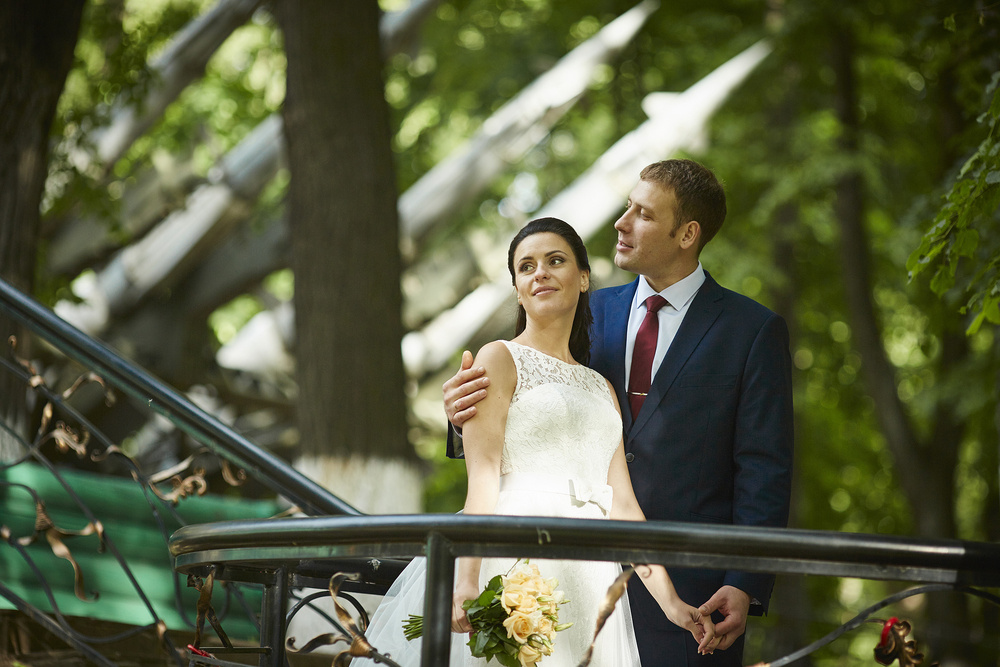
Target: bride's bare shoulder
{"type": "Point", "coordinates": [492, 353]}
{"type": "Point", "coordinates": [498, 362]}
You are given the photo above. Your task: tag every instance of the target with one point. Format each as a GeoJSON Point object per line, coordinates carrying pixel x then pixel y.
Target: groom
{"type": "Point", "coordinates": [709, 438]}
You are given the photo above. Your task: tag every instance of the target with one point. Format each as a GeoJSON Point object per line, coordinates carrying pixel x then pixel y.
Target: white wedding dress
{"type": "Point", "coordinates": [562, 430]}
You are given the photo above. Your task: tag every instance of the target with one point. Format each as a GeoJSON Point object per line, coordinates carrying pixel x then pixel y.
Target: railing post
{"type": "Point", "coordinates": [440, 585]}
{"type": "Point", "coordinates": [273, 606]}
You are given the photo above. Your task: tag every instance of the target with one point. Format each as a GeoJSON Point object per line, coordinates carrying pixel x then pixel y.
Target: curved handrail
{"type": "Point", "coordinates": [774, 550]}
{"type": "Point", "coordinates": [273, 472]}
{"type": "Point", "coordinates": [282, 545]}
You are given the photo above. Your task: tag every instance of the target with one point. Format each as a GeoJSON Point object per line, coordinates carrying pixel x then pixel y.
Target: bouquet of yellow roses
{"type": "Point", "coordinates": [514, 620]}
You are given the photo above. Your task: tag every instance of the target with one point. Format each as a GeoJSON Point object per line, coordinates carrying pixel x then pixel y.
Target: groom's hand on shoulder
{"type": "Point", "coordinates": [733, 604]}
{"type": "Point", "coordinates": [463, 390]}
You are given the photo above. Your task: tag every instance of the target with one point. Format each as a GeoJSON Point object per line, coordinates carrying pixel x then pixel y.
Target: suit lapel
{"type": "Point", "coordinates": [702, 313]}
{"type": "Point", "coordinates": [616, 321]}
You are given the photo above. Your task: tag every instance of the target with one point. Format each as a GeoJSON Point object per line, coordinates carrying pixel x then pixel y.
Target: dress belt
{"type": "Point", "coordinates": [585, 492]}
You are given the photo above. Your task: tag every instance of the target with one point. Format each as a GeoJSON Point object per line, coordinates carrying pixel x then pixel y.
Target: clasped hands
{"type": "Point", "coordinates": [734, 605]}
{"type": "Point", "coordinates": [730, 601]}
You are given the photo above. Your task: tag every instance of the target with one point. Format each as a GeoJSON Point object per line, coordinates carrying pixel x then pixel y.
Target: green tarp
{"type": "Point", "coordinates": [130, 525]}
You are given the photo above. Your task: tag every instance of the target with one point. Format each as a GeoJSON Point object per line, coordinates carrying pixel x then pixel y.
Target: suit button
{"type": "Point", "coordinates": [629, 457]}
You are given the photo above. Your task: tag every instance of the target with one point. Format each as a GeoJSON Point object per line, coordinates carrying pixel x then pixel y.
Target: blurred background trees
{"type": "Point", "coordinates": [269, 277]}
{"type": "Point", "coordinates": [36, 52]}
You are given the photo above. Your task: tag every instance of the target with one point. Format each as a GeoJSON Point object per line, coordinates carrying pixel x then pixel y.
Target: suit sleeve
{"type": "Point", "coordinates": [455, 448]}
{"type": "Point", "coordinates": [762, 447]}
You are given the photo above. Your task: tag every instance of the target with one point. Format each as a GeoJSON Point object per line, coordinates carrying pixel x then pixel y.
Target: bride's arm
{"type": "Point", "coordinates": [483, 435]}
{"type": "Point", "coordinates": [625, 507]}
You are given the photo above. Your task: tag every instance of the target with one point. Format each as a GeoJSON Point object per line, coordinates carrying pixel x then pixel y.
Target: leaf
{"type": "Point", "coordinates": [949, 23]}
{"type": "Point", "coordinates": [922, 256]}
{"type": "Point", "coordinates": [943, 280]}
{"type": "Point", "coordinates": [971, 162]}
{"type": "Point", "coordinates": [994, 109]}
{"type": "Point", "coordinates": [966, 242]}
{"type": "Point", "coordinates": [480, 640]}
{"type": "Point", "coordinates": [993, 312]}
{"type": "Point", "coordinates": [984, 206]}
{"type": "Point", "coordinates": [934, 251]}
{"type": "Point", "coordinates": [507, 660]}
{"type": "Point", "coordinates": [962, 190]}
{"type": "Point", "coordinates": [993, 177]}
{"type": "Point", "coordinates": [977, 322]}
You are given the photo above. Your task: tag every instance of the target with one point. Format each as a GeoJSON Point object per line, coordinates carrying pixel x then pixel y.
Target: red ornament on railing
{"type": "Point", "coordinates": [894, 645]}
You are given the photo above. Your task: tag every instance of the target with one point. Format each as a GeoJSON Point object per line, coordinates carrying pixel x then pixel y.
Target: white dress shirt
{"type": "Point", "coordinates": [679, 297]}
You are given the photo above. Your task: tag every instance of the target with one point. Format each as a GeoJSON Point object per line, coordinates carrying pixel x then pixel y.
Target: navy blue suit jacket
{"type": "Point", "coordinates": [713, 441]}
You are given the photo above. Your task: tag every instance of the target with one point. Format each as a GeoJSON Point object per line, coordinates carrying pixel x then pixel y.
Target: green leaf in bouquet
{"type": "Point", "coordinates": [507, 660]}
{"type": "Point", "coordinates": [486, 597]}
{"type": "Point", "coordinates": [478, 643]}
{"type": "Point", "coordinates": [492, 615]}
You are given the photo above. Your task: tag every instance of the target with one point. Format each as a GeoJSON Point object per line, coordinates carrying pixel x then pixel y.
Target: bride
{"type": "Point", "coordinates": [545, 442]}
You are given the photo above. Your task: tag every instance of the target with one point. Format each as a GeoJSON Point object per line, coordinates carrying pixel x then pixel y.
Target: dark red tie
{"type": "Point", "coordinates": [642, 355]}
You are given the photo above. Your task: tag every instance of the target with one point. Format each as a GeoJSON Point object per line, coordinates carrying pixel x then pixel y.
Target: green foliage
{"type": "Point", "coordinates": [922, 78]}
{"type": "Point", "coordinates": [446, 485]}
{"type": "Point", "coordinates": [243, 83]}
{"type": "Point", "coordinates": [111, 70]}
{"type": "Point", "coordinates": [477, 54]}
{"type": "Point", "coordinates": [230, 318]}
{"type": "Point", "coordinates": [777, 145]}
{"type": "Point", "coordinates": [966, 226]}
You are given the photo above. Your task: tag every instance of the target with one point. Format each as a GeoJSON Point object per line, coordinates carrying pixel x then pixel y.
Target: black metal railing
{"type": "Point", "coordinates": [249, 549]}
{"type": "Point", "coordinates": [273, 472]}
{"type": "Point", "coordinates": [77, 544]}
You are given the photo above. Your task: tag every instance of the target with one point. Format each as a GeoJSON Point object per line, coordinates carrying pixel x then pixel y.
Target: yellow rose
{"type": "Point", "coordinates": [519, 626]}
{"type": "Point", "coordinates": [547, 586]}
{"type": "Point", "coordinates": [520, 573]}
{"type": "Point", "coordinates": [528, 655]}
{"type": "Point", "coordinates": [528, 604]}
{"type": "Point", "coordinates": [512, 597]}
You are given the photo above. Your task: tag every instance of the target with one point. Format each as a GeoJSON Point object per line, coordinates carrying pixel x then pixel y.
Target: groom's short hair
{"type": "Point", "coordinates": [700, 196]}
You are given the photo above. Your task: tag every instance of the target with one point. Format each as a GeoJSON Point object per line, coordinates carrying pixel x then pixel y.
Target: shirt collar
{"type": "Point", "coordinates": [677, 295]}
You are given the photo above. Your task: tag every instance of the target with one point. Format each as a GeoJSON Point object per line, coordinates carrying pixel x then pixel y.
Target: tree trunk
{"type": "Point", "coordinates": [880, 375]}
{"type": "Point", "coordinates": [36, 51]}
{"type": "Point", "coordinates": [925, 470]}
{"type": "Point", "coordinates": [345, 254]}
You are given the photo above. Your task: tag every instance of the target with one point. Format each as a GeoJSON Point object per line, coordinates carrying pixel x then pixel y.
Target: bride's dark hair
{"type": "Point", "coordinates": [579, 337]}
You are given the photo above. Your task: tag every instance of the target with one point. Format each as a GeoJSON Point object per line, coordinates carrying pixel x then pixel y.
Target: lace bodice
{"type": "Point", "coordinates": [562, 431]}
{"type": "Point", "coordinates": [562, 419]}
